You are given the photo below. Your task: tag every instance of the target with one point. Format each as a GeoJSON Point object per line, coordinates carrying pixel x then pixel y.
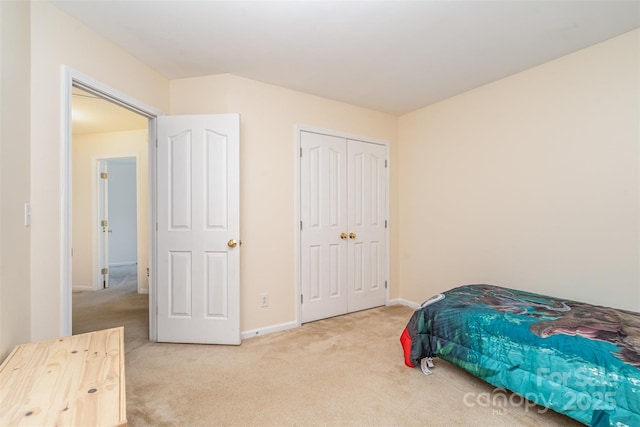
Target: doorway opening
{"type": "Point", "coordinates": [107, 143]}
{"type": "Point", "coordinates": [77, 88]}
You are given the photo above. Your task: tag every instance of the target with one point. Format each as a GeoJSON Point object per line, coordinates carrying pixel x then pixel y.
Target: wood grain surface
{"type": "Point", "coordinates": [71, 381]}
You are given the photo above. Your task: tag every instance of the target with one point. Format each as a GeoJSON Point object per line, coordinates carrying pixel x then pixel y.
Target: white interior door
{"type": "Point", "coordinates": [198, 251]}
{"type": "Point", "coordinates": [103, 268]}
{"type": "Point", "coordinates": [323, 217]}
{"type": "Point", "coordinates": [343, 208]}
{"type": "Point", "coordinates": [367, 207]}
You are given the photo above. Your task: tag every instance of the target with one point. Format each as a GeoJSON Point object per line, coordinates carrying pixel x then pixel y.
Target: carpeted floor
{"type": "Point", "coordinates": [344, 371]}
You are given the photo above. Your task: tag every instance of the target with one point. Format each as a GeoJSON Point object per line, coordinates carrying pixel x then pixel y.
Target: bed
{"type": "Point", "coordinates": [578, 359]}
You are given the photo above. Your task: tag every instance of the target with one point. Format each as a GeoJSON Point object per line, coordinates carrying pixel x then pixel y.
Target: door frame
{"type": "Point", "coordinates": [96, 196]}
{"type": "Point", "coordinates": [70, 78]}
{"type": "Point", "coordinates": [298, 129]}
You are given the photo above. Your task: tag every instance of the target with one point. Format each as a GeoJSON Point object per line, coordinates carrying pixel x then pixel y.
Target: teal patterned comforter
{"type": "Point", "coordinates": [578, 359]}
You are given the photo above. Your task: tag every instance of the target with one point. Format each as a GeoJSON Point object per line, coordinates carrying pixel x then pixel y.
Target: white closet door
{"type": "Point", "coordinates": [323, 214]}
{"type": "Point", "coordinates": [343, 238]}
{"type": "Point", "coordinates": [367, 202]}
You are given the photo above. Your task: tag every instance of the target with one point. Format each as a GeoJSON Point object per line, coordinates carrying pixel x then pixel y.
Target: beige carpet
{"type": "Point", "coordinates": [344, 371]}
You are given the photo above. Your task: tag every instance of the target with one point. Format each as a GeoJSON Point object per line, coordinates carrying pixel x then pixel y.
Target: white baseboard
{"type": "Point", "coordinates": [144, 291]}
{"type": "Point", "coordinates": [400, 301]}
{"type": "Point", "coordinates": [81, 288]}
{"type": "Point", "coordinates": [252, 333]}
{"type": "Point", "coordinates": [268, 330]}
{"type": "Point", "coordinates": [293, 324]}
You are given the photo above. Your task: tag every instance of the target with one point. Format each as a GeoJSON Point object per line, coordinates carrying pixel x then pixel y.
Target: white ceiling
{"type": "Point", "coordinates": [391, 56]}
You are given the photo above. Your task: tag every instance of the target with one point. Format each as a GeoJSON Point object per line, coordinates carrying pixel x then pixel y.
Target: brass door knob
{"type": "Point", "coordinates": [352, 235]}
{"type": "Point", "coordinates": [343, 236]}
{"type": "Point", "coordinates": [232, 243]}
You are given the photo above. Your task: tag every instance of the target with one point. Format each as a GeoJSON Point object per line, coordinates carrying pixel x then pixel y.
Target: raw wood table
{"type": "Point", "coordinates": [71, 381]}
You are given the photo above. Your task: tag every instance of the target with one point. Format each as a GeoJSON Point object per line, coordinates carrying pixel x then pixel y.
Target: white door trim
{"type": "Point", "coordinates": [70, 78]}
{"type": "Point", "coordinates": [298, 129]}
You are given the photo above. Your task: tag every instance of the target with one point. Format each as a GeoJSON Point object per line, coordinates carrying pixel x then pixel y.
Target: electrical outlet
{"type": "Point", "coordinates": [264, 300]}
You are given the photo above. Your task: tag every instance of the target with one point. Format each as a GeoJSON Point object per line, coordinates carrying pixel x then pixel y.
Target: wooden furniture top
{"type": "Point", "coordinates": [70, 381]}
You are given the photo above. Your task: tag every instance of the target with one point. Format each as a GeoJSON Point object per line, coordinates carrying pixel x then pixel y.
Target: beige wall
{"type": "Point", "coordinates": [87, 148]}
{"type": "Point", "coordinates": [529, 182]}
{"type": "Point", "coordinates": [15, 322]}
{"type": "Point", "coordinates": [268, 115]}
{"type": "Point", "coordinates": [57, 39]}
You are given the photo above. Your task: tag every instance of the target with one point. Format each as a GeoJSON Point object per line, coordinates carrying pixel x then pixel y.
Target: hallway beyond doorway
{"type": "Point", "coordinates": [119, 305]}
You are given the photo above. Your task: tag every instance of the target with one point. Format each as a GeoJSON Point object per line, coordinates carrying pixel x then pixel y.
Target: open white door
{"type": "Point", "coordinates": [198, 226]}
{"type": "Point", "coordinates": [103, 180]}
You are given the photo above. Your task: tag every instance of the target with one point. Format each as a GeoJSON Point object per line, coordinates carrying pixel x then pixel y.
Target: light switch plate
{"type": "Point", "coordinates": [27, 214]}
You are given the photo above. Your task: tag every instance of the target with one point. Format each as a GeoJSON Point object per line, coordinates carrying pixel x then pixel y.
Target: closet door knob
{"type": "Point", "coordinates": [352, 235]}
{"type": "Point", "coordinates": [343, 236]}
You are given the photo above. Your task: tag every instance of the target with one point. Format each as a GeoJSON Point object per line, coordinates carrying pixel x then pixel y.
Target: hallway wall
{"type": "Point", "coordinates": [58, 40]}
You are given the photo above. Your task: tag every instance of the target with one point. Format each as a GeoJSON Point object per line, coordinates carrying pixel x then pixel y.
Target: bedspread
{"type": "Point", "coordinates": [578, 359]}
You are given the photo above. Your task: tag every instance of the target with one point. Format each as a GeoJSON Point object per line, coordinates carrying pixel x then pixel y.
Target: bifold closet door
{"type": "Point", "coordinates": [343, 198]}
{"type": "Point", "coordinates": [366, 218]}
{"type": "Point", "coordinates": [323, 214]}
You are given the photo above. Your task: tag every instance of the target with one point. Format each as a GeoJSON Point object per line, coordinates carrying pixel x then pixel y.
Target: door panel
{"type": "Point", "coordinates": [217, 301]}
{"type": "Point", "coordinates": [198, 214]}
{"type": "Point", "coordinates": [323, 216]}
{"type": "Point", "coordinates": [367, 202]}
{"type": "Point", "coordinates": [217, 151]}
{"type": "Point", "coordinates": [179, 284]}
